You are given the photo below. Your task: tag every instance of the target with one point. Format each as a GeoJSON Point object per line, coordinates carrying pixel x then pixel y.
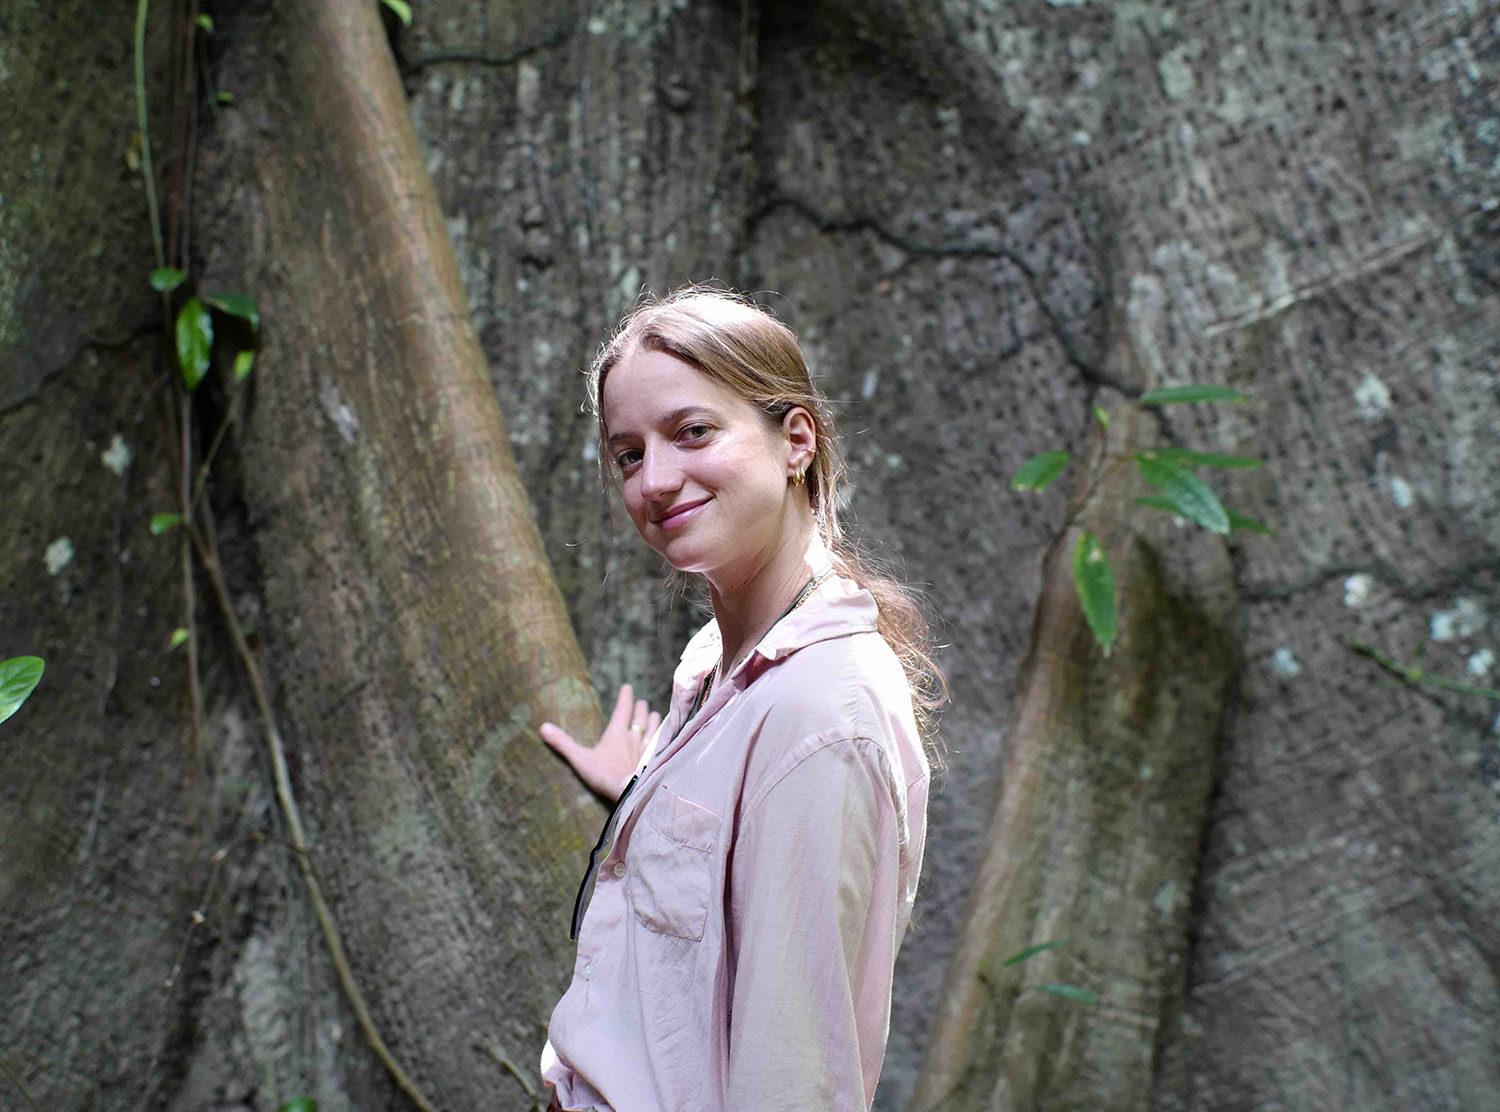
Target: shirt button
{"type": "Point", "coordinates": [619, 868]}
{"type": "Point", "coordinates": [588, 972]}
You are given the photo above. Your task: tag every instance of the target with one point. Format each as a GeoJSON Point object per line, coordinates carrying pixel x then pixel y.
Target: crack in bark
{"type": "Point", "coordinates": [1382, 571]}
{"type": "Point", "coordinates": [110, 342]}
{"type": "Point", "coordinates": [474, 56]}
{"type": "Point", "coordinates": [1076, 358]}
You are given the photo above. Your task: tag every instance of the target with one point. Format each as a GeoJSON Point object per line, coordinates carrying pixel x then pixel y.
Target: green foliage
{"type": "Point", "coordinates": [1069, 992]}
{"type": "Point", "coordinates": [1094, 579]}
{"type": "Point", "coordinates": [1157, 502]}
{"type": "Point", "coordinates": [1184, 457]}
{"type": "Point", "coordinates": [236, 305]}
{"type": "Point", "coordinates": [301, 1104]}
{"type": "Point", "coordinates": [1032, 951]}
{"type": "Point", "coordinates": [195, 327]}
{"type": "Point", "coordinates": [18, 679]}
{"type": "Point", "coordinates": [1414, 675]}
{"type": "Point", "coordinates": [1040, 470]}
{"type": "Point", "coordinates": [160, 523]}
{"type": "Point", "coordinates": [206, 24]}
{"type": "Point", "coordinates": [1191, 394]}
{"type": "Point", "coordinates": [165, 279]}
{"type": "Point", "coordinates": [1190, 496]}
{"type": "Point", "coordinates": [1183, 493]}
{"type": "Point", "coordinates": [402, 10]}
{"type": "Point", "coordinates": [179, 637]}
{"type": "Point", "coordinates": [1238, 520]}
{"type": "Point", "coordinates": [195, 341]}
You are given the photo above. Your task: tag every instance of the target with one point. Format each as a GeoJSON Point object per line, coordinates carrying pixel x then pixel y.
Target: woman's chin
{"type": "Point", "coordinates": [684, 564]}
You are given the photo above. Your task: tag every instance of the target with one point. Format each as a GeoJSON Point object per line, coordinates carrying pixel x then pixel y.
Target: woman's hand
{"type": "Point", "coordinates": [607, 765]}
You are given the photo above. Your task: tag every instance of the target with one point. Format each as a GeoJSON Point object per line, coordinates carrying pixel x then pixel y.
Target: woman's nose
{"type": "Point", "coordinates": [658, 474]}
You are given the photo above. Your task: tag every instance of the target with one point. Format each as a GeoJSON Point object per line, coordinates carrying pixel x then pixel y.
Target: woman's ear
{"type": "Point", "coordinates": [802, 435]}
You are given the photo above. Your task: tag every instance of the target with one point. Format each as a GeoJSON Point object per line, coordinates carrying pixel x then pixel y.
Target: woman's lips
{"type": "Point", "coordinates": [678, 516]}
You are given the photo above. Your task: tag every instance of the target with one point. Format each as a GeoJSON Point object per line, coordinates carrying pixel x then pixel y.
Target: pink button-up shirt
{"type": "Point", "coordinates": [737, 952]}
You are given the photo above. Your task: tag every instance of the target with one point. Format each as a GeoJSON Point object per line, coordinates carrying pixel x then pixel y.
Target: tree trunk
{"type": "Point", "coordinates": [1096, 836]}
{"type": "Point", "coordinates": [982, 219]}
{"type": "Point", "coordinates": [107, 816]}
{"type": "Point", "coordinates": [412, 626]}
{"type": "Point", "coordinates": [415, 633]}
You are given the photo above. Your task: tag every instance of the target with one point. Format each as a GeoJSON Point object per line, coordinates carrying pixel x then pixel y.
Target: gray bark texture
{"type": "Point", "coordinates": [110, 814]}
{"type": "Point", "coordinates": [982, 219]}
{"type": "Point", "coordinates": [1096, 835]}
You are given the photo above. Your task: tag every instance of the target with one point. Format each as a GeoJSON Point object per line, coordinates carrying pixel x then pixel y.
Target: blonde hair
{"type": "Point", "coordinates": [741, 346]}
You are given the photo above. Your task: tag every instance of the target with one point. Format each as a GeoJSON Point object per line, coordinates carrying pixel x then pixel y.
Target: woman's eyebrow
{"type": "Point", "coordinates": [670, 419]}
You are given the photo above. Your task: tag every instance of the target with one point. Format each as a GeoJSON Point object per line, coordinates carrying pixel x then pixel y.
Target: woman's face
{"type": "Point", "coordinates": [703, 473]}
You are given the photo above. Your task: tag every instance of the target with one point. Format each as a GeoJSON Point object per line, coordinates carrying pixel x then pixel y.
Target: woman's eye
{"type": "Point", "coordinates": [626, 460]}
{"type": "Point", "coordinates": [694, 432]}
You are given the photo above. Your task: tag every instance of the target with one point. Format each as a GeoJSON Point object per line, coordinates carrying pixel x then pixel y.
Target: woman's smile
{"type": "Point", "coordinates": [679, 514]}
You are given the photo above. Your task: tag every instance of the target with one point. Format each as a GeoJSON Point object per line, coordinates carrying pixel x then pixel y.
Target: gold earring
{"type": "Point", "coordinates": [798, 478]}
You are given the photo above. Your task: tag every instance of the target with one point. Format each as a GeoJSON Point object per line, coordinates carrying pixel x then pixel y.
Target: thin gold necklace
{"type": "Point", "coordinates": [708, 680]}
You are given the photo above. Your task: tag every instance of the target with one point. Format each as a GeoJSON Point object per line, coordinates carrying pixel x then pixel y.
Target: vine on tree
{"type": "Point", "coordinates": [1172, 472]}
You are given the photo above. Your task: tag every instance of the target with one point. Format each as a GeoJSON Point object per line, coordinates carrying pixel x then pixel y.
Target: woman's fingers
{"type": "Point", "coordinates": [623, 703]}
{"type": "Point", "coordinates": [618, 750]}
{"type": "Point", "coordinates": [557, 737]}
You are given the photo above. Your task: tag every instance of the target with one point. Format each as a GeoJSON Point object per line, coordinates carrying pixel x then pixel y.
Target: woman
{"type": "Point", "coordinates": [753, 884]}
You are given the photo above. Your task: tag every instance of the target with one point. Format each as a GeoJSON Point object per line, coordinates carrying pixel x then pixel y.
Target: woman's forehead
{"type": "Point", "coordinates": [648, 385]}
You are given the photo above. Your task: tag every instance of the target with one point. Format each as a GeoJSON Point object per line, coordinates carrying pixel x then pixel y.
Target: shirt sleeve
{"type": "Point", "coordinates": [813, 914]}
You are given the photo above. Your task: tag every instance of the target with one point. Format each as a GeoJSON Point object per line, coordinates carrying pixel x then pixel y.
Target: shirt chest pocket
{"type": "Point", "coordinates": [670, 865]}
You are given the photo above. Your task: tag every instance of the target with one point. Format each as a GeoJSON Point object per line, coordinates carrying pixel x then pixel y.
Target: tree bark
{"type": "Point", "coordinates": [982, 219]}
{"type": "Point", "coordinates": [102, 857]}
{"type": "Point", "coordinates": [1096, 835]}
{"type": "Point", "coordinates": [416, 635]}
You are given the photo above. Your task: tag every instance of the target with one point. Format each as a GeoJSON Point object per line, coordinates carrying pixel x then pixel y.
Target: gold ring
{"type": "Point", "coordinates": [638, 729]}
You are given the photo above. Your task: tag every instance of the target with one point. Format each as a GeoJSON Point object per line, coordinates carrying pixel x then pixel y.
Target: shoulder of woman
{"type": "Point", "coordinates": [843, 690]}
{"type": "Point", "coordinates": [853, 681]}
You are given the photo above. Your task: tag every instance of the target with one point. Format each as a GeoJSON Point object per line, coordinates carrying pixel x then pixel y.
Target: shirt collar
{"type": "Point", "coordinates": [837, 607]}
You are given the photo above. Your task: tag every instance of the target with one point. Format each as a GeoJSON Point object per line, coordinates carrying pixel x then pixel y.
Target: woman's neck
{"type": "Point", "coordinates": [745, 612]}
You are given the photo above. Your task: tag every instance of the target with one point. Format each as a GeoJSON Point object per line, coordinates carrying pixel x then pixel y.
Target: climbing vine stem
{"type": "Point", "coordinates": [1414, 675]}
{"type": "Point", "coordinates": [191, 335]}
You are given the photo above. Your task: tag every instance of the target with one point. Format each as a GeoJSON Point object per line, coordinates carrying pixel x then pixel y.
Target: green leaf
{"type": "Point", "coordinates": [1238, 520]}
{"type": "Point", "coordinates": [1069, 992]}
{"type": "Point", "coordinates": [224, 96]}
{"type": "Point", "coordinates": [1102, 416]}
{"type": "Point", "coordinates": [1188, 494]}
{"type": "Point", "coordinates": [195, 338]}
{"type": "Point", "coordinates": [1192, 394]}
{"type": "Point", "coordinates": [242, 364]}
{"type": "Point", "coordinates": [160, 523]}
{"type": "Point", "coordinates": [207, 23]}
{"type": "Point", "coordinates": [179, 636]}
{"type": "Point", "coordinates": [18, 678]}
{"type": "Point", "coordinates": [1157, 502]}
{"type": "Point", "coordinates": [1032, 951]}
{"type": "Point", "coordinates": [167, 278]}
{"type": "Point", "coordinates": [401, 8]}
{"type": "Point", "coordinates": [1184, 457]}
{"type": "Point", "coordinates": [1040, 470]}
{"type": "Point", "coordinates": [301, 1104]}
{"type": "Point", "coordinates": [236, 305]}
{"type": "Point", "coordinates": [1095, 580]}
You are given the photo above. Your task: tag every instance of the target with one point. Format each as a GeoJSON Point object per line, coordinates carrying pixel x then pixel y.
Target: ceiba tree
{"type": "Point", "coordinates": [1266, 854]}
